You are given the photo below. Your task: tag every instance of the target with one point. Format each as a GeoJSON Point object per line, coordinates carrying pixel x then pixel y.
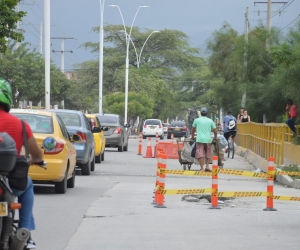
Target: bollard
{"type": "Point", "coordinates": [270, 185]}
{"type": "Point", "coordinates": [161, 185]}
{"type": "Point", "coordinates": [149, 149]}
{"type": "Point", "coordinates": [157, 176]}
{"type": "Point", "coordinates": [172, 136]}
{"type": "Point", "coordinates": [156, 143]}
{"type": "Point", "coordinates": [214, 185]}
{"type": "Point", "coordinates": [140, 144]}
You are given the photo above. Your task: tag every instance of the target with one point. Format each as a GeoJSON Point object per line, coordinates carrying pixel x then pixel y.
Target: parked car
{"type": "Point", "coordinates": [49, 128]}
{"type": "Point", "coordinates": [99, 138]}
{"type": "Point", "coordinates": [166, 125]}
{"type": "Point", "coordinates": [116, 133]}
{"type": "Point", "coordinates": [179, 129]}
{"type": "Point", "coordinates": [77, 123]}
{"type": "Point", "coordinates": [151, 126]}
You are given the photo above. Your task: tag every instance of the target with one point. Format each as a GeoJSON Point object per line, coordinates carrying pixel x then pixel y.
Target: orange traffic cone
{"type": "Point", "coordinates": [149, 149]}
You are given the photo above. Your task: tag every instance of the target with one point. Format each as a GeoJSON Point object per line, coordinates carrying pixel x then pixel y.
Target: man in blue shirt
{"type": "Point", "coordinates": [229, 125]}
{"type": "Point", "coordinates": [203, 126]}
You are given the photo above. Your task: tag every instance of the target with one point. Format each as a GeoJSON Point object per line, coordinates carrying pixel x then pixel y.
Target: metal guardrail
{"type": "Point", "coordinates": [265, 139]}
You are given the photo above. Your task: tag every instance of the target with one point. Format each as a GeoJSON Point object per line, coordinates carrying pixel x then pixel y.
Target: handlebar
{"type": "Point", "coordinates": [41, 164]}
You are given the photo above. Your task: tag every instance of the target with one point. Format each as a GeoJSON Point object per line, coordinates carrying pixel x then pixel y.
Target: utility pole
{"type": "Point", "coordinates": [62, 51]}
{"type": "Point", "coordinates": [47, 52]}
{"type": "Point", "coordinates": [245, 56]}
{"type": "Point", "coordinates": [41, 38]}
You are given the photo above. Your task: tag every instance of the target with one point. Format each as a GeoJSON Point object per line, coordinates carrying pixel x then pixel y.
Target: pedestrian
{"type": "Point", "coordinates": [245, 117]}
{"type": "Point", "coordinates": [229, 125]}
{"type": "Point", "coordinates": [291, 111]}
{"type": "Point", "coordinates": [240, 115]}
{"type": "Point", "coordinates": [203, 126]}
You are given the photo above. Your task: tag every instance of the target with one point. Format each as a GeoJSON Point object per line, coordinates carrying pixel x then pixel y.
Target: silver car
{"type": "Point", "coordinates": [117, 134]}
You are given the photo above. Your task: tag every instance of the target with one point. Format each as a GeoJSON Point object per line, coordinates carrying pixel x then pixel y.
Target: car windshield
{"type": "Point", "coordinates": [108, 119]}
{"type": "Point", "coordinates": [166, 124]}
{"type": "Point", "coordinates": [177, 124]}
{"type": "Point", "coordinates": [152, 122]}
{"type": "Point", "coordinates": [38, 123]}
{"type": "Point", "coordinates": [70, 119]}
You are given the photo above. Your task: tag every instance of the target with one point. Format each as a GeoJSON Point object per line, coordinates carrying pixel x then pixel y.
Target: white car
{"type": "Point", "coordinates": [151, 126]}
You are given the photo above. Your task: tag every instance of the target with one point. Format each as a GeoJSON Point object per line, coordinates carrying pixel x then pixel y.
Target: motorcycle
{"type": "Point", "coordinates": [11, 237]}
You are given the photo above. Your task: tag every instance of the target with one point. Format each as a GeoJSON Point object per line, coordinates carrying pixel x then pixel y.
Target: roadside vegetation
{"type": "Point", "coordinates": [171, 75]}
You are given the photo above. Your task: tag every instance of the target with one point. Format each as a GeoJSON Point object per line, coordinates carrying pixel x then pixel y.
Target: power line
{"type": "Point", "coordinates": [290, 23]}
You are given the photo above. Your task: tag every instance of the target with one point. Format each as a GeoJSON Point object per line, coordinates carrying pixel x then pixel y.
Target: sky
{"type": "Point", "coordinates": [196, 18]}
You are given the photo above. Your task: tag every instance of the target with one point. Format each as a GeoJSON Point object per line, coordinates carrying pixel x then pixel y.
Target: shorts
{"type": "Point", "coordinates": [203, 150]}
{"type": "Point", "coordinates": [227, 134]}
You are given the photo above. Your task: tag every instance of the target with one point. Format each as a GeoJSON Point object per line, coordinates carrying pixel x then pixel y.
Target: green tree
{"type": "Point", "coordinates": [8, 23]}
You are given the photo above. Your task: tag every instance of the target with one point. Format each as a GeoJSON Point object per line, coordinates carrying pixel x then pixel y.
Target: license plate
{"type": "Point", "coordinates": [3, 209]}
{"type": "Point", "coordinates": [152, 127]}
{"type": "Point", "coordinates": [177, 129]}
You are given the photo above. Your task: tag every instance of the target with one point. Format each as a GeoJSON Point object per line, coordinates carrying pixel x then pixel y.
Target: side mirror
{"type": "Point", "coordinates": [105, 128]}
{"type": "Point", "coordinates": [75, 138]}
{"type": "Point", "coordinates": [96, 130]}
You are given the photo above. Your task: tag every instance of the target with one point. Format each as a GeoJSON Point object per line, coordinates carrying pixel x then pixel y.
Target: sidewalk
{"type": "Point", "coordinates": [124, 219]}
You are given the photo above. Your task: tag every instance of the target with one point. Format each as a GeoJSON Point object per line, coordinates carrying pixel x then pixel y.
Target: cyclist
{"type": "Point", "coordinates": [13, 126]}
{"type": "Point", "coordinates": [229, 125]}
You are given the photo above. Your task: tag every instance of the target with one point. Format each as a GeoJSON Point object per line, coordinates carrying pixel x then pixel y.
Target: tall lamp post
{"type": "Point", "coordinates": [101, 55]}
{"type": "Point", "coordinates": [127, 55]}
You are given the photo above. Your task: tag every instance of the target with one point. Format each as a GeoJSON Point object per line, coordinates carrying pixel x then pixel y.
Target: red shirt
{"type": "Point", "coordinates": [13, 126]}
{"type": "Point", "coordinates": [293, 111]}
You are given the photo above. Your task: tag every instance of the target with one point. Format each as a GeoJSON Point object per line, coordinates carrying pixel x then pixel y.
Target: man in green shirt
{"type": "Point", "coordinates": [203, 126]}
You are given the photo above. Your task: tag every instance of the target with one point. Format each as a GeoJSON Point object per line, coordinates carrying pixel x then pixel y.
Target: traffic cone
{"type": "Point", "coordinates": [140, 144]}
{"type": "Point", "coordinates": [149, 149]}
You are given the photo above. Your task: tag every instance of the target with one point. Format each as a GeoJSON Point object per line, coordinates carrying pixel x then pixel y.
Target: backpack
{"type": "Point", "coordinates": [232, 125]}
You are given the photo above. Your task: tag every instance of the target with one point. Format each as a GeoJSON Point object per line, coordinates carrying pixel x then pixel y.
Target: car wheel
{"type": "Point", "coordinates": [162, 137]}
{"type": "Point", "coordinates": [102, 156]}
{"type": "Point", "coordinates": [61, 187]}
{"type": "Point", "coordinates": [98, 158]}
{"type": "Point", "coordinates": [144, 137]}
{"type": "Point", "coordinates": [120, 148]}
{"type": "Point", "coordinates": [93, 164]}
{"type": "Point", "coordinates": [168, 137]}
{"type": "Point", "coordinates": [71, 181]}
{"type": "Point", "coordinates": [125, 148]}
{"type": "Point", "coordinates": [86, 168]}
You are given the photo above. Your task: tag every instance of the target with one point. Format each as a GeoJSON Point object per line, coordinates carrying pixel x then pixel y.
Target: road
{"type": "Point", "coordinates": [111, 209]}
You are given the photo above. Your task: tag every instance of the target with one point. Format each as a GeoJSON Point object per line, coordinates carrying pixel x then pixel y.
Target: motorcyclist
{"type": "Point", "coordinates": [13, 126]}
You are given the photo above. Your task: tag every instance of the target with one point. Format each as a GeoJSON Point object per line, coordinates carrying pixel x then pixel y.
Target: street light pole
{"type": "Point", "coordinates": [47, 52]}
{"type": "Point", "coordinates": [101, 56]}
{"type": "Point", "coordinates": [127, 56]}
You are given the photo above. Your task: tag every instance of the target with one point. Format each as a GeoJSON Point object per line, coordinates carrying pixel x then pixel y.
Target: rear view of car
{"type": "Point", "coordinates": [115, 132]}
{"type": "Point", "coordinates": [151, 127]}
{"type": "Point", "coordinates": [178, 129]}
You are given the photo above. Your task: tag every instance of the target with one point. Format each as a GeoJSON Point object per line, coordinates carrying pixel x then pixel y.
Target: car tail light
{"type": "Point", "coordinates": [1, 191]}
{"type": "Point", "coordinates": [93, 122]}
{"type": "Point", "coordinates": [82, 135]}
{"type": "Point", "coordinates": [145, 126]}
{"type": "Point", "coordinates": [117, 131]}
{"type": "Point", "coordinates": [169, 128]}
{"type": "Point", "coordinates": [52, 146]}
{"type": "Point", "coordinates": [184, 128]}
{"type": "Point", "coordinates": [159, 126]}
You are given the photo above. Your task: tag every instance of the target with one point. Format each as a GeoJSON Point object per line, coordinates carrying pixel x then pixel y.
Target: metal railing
{"type": "Point", "coordinates": [265, 139]}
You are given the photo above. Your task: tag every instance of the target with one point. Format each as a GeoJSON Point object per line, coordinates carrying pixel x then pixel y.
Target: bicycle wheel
{"type": "Point", "coordinates": [230, 148]}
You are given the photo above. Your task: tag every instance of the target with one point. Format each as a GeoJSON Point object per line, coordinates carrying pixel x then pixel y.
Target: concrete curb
{"type": "Point", "coordinates": [261, 163]}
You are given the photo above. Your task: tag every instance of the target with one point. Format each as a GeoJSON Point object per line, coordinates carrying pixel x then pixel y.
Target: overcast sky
{"type": "Point", "coordinates": [197, 18]}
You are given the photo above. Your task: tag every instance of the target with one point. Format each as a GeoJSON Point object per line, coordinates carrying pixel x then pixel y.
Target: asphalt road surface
{"type": "Point", "coordinates": [111, 209]}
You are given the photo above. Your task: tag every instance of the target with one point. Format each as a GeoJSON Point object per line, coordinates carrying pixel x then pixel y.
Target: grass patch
{"type": "Point", "coordinates": [292, 168]}
{"type": "Point", "coordinates": [296, 140]}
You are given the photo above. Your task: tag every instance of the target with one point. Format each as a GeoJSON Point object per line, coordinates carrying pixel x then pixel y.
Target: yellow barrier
{"type": "Point", "coordinates": [267, 139]}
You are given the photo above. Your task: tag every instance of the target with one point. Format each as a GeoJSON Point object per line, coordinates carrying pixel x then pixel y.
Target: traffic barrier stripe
{"type": "Point", "coordinates": [221, 171]}
{"type": "Point", "coordinates": [185, 191]}
{"type": "Point", "coordinates": [286, 198]}
{"type": "Point", "coordinates": [287, 173]}
{"type": "Point", "coordinates": [242, 194]}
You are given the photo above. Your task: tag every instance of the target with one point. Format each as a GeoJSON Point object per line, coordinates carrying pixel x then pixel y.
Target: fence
{"type": "Point", "coordinates": [269, 139]}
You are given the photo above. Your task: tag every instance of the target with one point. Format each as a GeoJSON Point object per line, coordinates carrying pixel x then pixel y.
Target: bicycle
{"type": "Point", "coordinates": [230, 149]}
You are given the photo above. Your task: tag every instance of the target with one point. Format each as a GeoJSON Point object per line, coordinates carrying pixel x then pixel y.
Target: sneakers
{"type": "Point", "coordinates": [207, 170]}
{"type": "Point", "coordinates": [30, 244]}
{"type": "Point", "coordinates": [294, 135]}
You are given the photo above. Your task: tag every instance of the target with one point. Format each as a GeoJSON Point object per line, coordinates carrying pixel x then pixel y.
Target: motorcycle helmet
{"type": "Point", "coordinates": [5, 94]}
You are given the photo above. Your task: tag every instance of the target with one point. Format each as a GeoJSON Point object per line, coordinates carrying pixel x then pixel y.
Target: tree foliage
{"type": "Point", "coordinates": [8, 23]}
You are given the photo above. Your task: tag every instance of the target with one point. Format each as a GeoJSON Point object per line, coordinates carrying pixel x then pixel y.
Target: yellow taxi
{"type": "Point", "coordinates": [98, 138]}
{"type": "Point", "coordinates": [59, 152]}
